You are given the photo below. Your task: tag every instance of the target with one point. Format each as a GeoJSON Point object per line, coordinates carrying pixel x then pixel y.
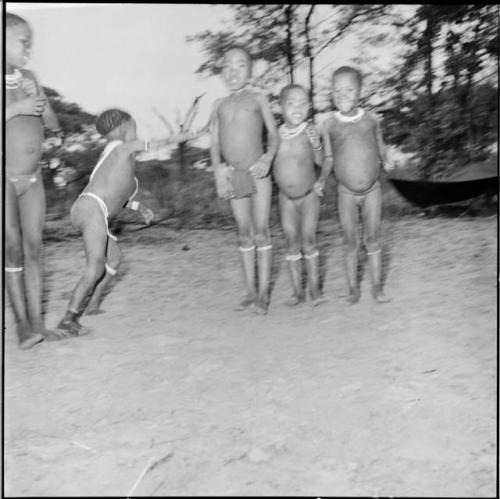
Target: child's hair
{"type": "Point", "coordinates": [288, 88]}
{"type": "Point", "coordinates": [235, 46]}
{"type": "Point", "coordinates": [12, 20]}
{"type": "Point", "coordinates": [349, 70]}
{"type": "Point", "coordinates": [111, 119]}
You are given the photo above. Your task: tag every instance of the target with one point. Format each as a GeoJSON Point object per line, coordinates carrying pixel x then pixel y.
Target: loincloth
{"type": "Point", "coordinates": [22, 183]}
{"type": "Point", "coordinates": [102, 206]}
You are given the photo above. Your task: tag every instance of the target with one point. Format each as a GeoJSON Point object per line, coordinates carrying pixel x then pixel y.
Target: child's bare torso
{"type": "Point", "coordinates": [114, 180]}
{"type": "Point", "coordinates": [241, 128]}
{"type": "Point", "coordinates": [294, 165]}
{"type": "Point", "coordinates": [356, 154]}
{"type": "Point", "coordinates": [23, 138]}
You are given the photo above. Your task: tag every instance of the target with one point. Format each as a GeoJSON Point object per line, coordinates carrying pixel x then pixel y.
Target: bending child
{"type": "Point", "coordinates": [300, 149]}
{"type": "Point", "coordinates": [112, 186]}
{"type": "Point", "coordinates": [242, 170]}
{"type": "Point", "coordinates": [27, 111]}
{"type": "Point", "coordinates": [355, 148]}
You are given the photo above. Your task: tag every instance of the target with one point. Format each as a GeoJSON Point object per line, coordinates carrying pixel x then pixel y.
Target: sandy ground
{"type": "Point", "coordinates": [396, 399]}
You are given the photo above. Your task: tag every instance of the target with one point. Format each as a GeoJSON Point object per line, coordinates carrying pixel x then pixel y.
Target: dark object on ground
{"type": "Point", "coordinates": [468, 182]}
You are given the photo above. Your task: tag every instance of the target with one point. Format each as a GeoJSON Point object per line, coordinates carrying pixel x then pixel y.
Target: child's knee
{"type": "Point", "coordinates": [262, 236]}
{"type": "Point", "coordinates": [372, 243]}
{"type": "Point", "coordinates": [14, 254]}
{"type": "Point", "coordinates": [351, 242]}
{"type": "Point", "coordinates": [33, 250]}
{"type": "Point", "coordinates": [309, 244]}
{"type": "Point", "coordinates": [95, 269]}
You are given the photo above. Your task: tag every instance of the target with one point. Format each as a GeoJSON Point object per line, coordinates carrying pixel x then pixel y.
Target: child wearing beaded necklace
{"type": "Point", "coordinates": [300, 148]}
{"type": "Point", "coordinates": [27, 111]}
{"type": "Point", "coordinates": [242, 170]}
{"type": "Point", "coordinates": [355, 149]}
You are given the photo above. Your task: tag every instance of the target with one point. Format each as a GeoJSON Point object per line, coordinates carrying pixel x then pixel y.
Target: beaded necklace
{"type": "Point", "coordinates": [289, 133]}
{"type": "Point", "coordinates": [13, 80]}
{"type": "Point", "coordinates": [350, 119]}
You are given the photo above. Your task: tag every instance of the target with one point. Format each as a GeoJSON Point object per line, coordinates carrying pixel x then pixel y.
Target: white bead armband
{"type": "Point", "coordinates": [134, 205]}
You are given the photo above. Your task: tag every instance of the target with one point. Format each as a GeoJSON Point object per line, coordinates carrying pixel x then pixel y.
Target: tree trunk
{"type": "Point", "coordinates": [428, 38]}
{"type": "Point", "coordinates": [289, 42]}
{"type": "Point", "coordinates": [310, 58]}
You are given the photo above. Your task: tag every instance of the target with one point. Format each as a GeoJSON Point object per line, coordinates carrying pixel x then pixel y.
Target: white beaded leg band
{"type": "Point", "coordinates": [293, 258]}
{"type": "Point", "coordinates": [264, 248]}
{"type": "Point", "coordinates": [373, 252]}
{"type": "Point", "coordinates": [110, 270]}
{"type": "Point", "coordinates": [247, 249]}
{"type": "Point", "coordinates": [14, 269]}
{"type": "Point", "coordinates": [312, 255]}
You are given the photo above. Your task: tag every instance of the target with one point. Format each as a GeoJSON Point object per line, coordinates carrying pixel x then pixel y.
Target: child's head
{"type": "Point", "coordinates": [294, 102]}
{"type": "Point", "coordinates": [346, 88]}
{"type": "Point", "coordinates": [236, 67]}
{"type": "Point", "coordinates": [18, 41]}
{"type": "Point", "coordinates": [115, 124]}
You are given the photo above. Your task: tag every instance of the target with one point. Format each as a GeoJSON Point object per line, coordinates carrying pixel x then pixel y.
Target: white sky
{"type": "Point", "coordinates": [135, 56]}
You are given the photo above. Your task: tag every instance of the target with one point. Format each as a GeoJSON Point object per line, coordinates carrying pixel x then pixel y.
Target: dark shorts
{"type": "Point", "coordinates": [242, 182]}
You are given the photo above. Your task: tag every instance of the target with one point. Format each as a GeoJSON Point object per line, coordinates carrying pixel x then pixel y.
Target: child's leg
{"type": "Point", "coordinates": [32, 217]}
{"type": "Point", "coordinates": [242, 213]}
{"type": "Point", "coordinates": [14, 270]}
{"type": "Point", "coordinates": [310, 216]}
{"type": "Point", "coordinates": [291, 227]}
{"type": "Point", "coordinates": [88, 217]}
{"type": "Point", "coordinates": [372, 214]}
{"type": "Point", "coordinates": [348, 215]}
{"type": "Point", "coordinates": [113, 257]}
{"type": "Point", "coordinates": [261, 204]}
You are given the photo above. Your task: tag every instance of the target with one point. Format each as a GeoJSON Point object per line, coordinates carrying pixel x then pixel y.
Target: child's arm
{"type": "Point", "coordinates": [222, 183]}
{"type": "Point", "coordinates": [34, 89]}
{"type": "Point", "coordinates": [145, 211]}
{"type": "Point", "coordinates": [327, 164]}
{"type": "Point", "coordinates": [49, 117]}
{"type": "Point", "coordinates": [386, 163]}
{"type": "Point", "coordinates": [261, 168]}
{"type": "Point", "coordinates": [315, 141]}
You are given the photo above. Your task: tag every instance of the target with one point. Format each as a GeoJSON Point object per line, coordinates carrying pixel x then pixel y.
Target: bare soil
{"type": "Point", "coordinates": [175, 389]}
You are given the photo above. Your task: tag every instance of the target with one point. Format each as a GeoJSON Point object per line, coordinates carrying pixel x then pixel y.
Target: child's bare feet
{"type": "Point", "coordinates": [353, 296]}
{"type": "Point", "coordinates": [68, 328]}
{"type": "Point", "coordinates": [295, 300]}
{"type": "Point", "coordinates": [380, 297]}
{"type": "Point", "coordinates": [28, 338]}
{"type": "Point", "coordinates": [259, 307]}
{"type": "Point", "coordinates": [94, 311]}
{"type": "Point", "coordinates": [318, 299]}
{"type": "Point", "coordinates": [245, 303]}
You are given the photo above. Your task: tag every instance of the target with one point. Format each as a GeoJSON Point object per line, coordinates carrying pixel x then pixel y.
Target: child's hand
{"type": "Point", "coordinates": [223, 182]}
{"type": "Point", "coordinates": [319, 187]}
{"type": "Point", "coordinates": [31, 106]}
{"type": "Point", "coordinates": [147, 213]}
{"type": "Point", "coordinates": [260, 168]}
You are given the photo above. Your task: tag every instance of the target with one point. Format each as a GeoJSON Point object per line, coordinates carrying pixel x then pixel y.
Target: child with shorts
{"type": "Point", "coordinates": [242, 170]}
{"type": "Point", "coordinates": [294, 171]}
{"type": "Point", "coordinates": [354, 147]}
{"type": "Point", "coordinates": [27, 111]}
{"type": "Point", "coordinates": [112, 186]}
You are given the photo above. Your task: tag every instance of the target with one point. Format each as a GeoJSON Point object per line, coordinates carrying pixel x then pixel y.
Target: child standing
{"type": "Point", "coordinates": [27, 111]}
{"type": "Point", "coordinates": [242, 170]}
{"type": "Point", "coordinates": [300, 148]}
{"type": "Point", "coordinates": [112, 186]}
{"type": "Point", "coordinates": [355, 148]}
